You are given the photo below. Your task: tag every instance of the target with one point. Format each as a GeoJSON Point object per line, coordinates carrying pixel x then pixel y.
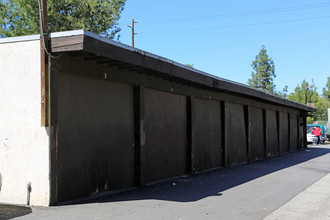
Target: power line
{"type": "Point", "coordinates": [232, 15]}
{"type": "Point", "coordinates": [234, 26]}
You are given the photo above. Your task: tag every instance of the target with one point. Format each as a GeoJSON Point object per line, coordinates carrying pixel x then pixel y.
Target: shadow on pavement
{"type": "Point", "coordinates": [11, 211]}
{"type": "Point", "coordinates": [213, 183]}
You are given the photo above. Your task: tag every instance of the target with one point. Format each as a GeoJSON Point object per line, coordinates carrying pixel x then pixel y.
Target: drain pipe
{"type": "Point", "coordinates": [28, 187]}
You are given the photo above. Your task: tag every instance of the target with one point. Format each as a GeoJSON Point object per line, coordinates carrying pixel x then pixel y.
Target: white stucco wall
{"type": "Point", "coordinates": [24, 144]}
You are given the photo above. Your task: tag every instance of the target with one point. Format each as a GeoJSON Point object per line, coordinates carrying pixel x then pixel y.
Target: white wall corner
{"type": "Point", "coordinates": [24, 144]}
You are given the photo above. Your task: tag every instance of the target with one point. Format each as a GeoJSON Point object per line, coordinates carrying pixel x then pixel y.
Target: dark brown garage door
{"type": "Point", "coordinates": [206, 136]}
{"type": "Point", "coordinates": [164, 153]}
{"type": "Point", "coordinates": [235, 134]}
{"type": "Point", "coordinates": [95, 136]}
{"type": "Point", "coordinates": [257, 142]}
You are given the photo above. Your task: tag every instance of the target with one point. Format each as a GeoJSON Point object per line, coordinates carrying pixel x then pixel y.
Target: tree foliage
{"type": "Point", "coordinates": [321, 103]}
{"type": "Point", "coordinates": [322, 106]}
{"type": "Point", "coordinates": [326, 90]}
{"type": "Point", "coordinates": [264, 72]}
{"type": "Point", "coordinates": [283, 93]}
{"type": "Point", "coordinates": [21, 17]}
{"type": "Point", "coordinates": [302, 90]}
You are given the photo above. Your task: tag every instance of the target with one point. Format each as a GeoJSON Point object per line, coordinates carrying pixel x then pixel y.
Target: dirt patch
{"type": "Point", "coordinates": [12, 211]}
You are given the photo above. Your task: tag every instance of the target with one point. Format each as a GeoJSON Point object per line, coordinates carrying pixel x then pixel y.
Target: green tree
{"type": "Point", "coordinates": [326, 90]}
{"type": "Point", "coordinates": [321, 103]}
{"type": "Point", "coordinates": [264, 72]}
{"type": "Point", "coordinates": [322, 106]}
{"type": "Point", "coordinates": [21, 17]}
{"type": "Point", "coordinates": [302, 90]}
{"type": "Point", "coordinates": [283, 93]}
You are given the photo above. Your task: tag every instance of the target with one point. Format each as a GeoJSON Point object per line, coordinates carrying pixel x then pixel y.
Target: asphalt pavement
{"type": "Point", "coordinates": [290, 186]}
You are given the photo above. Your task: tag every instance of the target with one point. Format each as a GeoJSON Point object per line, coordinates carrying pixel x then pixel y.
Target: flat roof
{"type": "Point", "coordinates": [85, 41]}
{"type": "Point", "coordinates": [133, 49]}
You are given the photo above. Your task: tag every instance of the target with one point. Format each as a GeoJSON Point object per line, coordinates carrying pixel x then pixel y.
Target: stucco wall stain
{"type": "Point", "coordinates": [4, 145]}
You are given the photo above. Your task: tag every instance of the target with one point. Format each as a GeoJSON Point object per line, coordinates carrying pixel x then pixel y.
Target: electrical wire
{"type": "Point", "coordinates": [233, 26]}
{"type": "Point", "coordinates": [43, 34]}
{"type": "Point", "coordinates": [233, 15]}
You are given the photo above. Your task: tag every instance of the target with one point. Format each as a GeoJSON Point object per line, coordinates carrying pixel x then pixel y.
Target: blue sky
{"type": "Point", "coordinates": [223, 37]}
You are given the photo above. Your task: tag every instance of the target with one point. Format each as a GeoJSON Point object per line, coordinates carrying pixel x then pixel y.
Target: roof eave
{"type": "Point", "coordinates": [82, 40]}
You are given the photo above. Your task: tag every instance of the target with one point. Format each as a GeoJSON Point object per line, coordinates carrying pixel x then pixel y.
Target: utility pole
{"type": "Point", "coordinates": [306, 90]}
{"type": "Point", "coordinates": [44, 62]}
{"type": "Point", "coordinates": [133, 33]}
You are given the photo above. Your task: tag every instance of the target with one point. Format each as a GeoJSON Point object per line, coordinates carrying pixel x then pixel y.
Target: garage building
{"type": "Point", "coordinates": [118, 117]}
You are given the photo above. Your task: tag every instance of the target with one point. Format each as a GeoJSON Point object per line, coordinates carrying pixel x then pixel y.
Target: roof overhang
{"type": "Point", "coordinates": [106, 50]}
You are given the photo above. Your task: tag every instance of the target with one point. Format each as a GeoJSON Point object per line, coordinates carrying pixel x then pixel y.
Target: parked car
{"type": "Point", "coordinates": [312, 138]}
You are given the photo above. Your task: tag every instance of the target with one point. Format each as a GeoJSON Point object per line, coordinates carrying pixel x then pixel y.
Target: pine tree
{"type": "Point", "coordinates": [264, 72]}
